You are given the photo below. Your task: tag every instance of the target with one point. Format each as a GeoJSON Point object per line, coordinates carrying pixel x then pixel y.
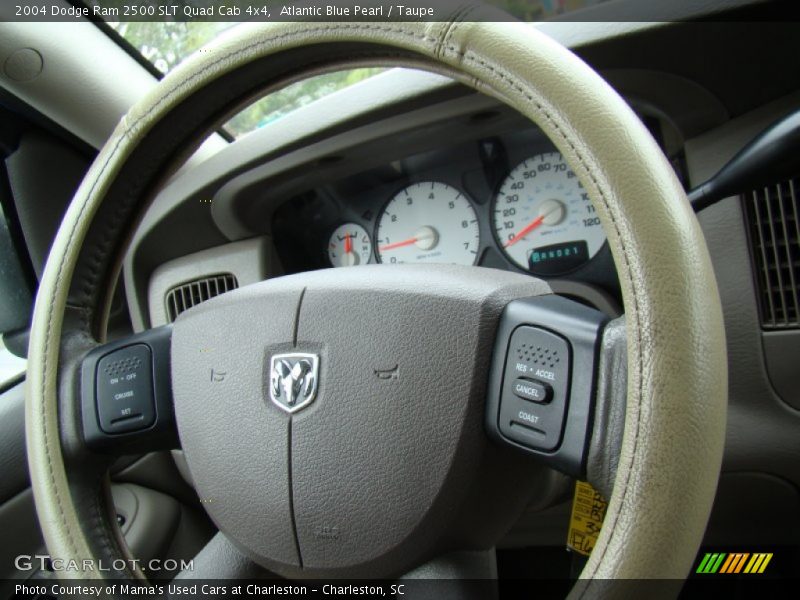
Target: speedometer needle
{"type": "Point", "coordinates": [348, 244]}
{"type": "Point", "coordinates": [526, 230]}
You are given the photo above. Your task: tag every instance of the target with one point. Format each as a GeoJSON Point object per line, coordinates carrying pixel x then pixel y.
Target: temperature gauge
{"type": "Point", "coordinates": [349, 246]}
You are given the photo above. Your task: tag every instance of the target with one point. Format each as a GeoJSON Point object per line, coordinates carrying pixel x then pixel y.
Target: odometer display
{"type": "Point", "coordinates": [543, 218]}
{"type": "Point", "coordinates": [558, 258]}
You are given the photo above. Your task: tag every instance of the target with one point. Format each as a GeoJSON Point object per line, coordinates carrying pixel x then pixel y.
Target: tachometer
{"type": "Point", "coordinates": [544, 219]}
{"type": "Point", "coordinates": [428, 222]}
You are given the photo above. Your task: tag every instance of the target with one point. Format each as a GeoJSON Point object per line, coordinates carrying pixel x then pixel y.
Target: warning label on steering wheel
{"type": "Point", "coordinates": [586, 520]}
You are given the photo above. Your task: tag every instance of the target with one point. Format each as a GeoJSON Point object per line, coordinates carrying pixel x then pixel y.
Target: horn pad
{"type": "Point", "coordinates": [387, 464]}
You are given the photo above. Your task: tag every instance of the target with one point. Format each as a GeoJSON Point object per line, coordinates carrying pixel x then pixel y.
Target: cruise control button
{"type": "Point", "coordinates": [124, 387]}
{"type": "Point", "coordinates": [534, 391]}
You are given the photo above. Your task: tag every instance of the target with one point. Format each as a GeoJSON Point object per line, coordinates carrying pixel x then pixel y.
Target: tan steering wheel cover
{"type": "Point", "coordinates": [677, 380]}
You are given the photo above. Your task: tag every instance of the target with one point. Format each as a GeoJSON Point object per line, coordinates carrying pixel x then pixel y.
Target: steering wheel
{"type": "Point", "coordinates": [382, 441]}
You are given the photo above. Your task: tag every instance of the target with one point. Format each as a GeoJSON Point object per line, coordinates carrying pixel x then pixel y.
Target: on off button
{"type": "Point", "coordinates": [534, 391]}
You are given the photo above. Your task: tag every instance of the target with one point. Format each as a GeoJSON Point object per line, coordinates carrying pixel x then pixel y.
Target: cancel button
{"type": "Point", "coordinates": [534, 391]}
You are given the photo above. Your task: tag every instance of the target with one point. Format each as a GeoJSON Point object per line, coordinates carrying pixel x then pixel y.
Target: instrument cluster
{"type": "Point", "coordinates": [510, 202]}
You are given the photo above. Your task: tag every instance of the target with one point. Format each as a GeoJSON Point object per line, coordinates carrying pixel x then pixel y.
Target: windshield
{"type": "Point", "coordinates": [166, 44]}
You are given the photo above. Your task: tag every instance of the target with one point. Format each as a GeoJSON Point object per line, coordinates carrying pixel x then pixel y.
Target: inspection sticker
{"type": "Point", "coordinates": [588, 512]}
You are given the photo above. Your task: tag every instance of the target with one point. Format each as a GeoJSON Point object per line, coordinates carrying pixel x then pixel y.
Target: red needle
{"type": "Point", "coordinates": [348, 244]}
{"type": "Point", "coordinates": [526, 230]}
{"type": "Point", "coordinates": [407, 242]}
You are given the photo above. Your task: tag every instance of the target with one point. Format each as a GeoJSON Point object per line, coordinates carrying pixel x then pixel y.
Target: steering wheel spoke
{"type": "Point", "coordinates": [609, 407]}
{"type": "Point", "coordinates": [126, 395]}
{"type": "Point", "coordinates": [565, 408]}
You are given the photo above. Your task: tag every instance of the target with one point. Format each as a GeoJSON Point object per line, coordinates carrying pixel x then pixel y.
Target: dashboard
{"type": "Point", "coordinates": [503, 197]}
{"type": "Point", "coordinates": [459, 180]}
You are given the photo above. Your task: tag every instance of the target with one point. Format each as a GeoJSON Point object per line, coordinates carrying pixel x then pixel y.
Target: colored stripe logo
{"type": "Point", "coordinates": [735, 562]}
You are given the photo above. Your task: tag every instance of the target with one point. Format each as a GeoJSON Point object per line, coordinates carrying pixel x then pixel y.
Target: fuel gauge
{"type": "Point", "coordinates": [349, 246]}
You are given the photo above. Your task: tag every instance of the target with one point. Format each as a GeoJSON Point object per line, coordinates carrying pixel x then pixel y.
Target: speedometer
{"type": "Point", "coordinates": [543, 218]}
{"type": "Point", "coordinates": [428, 222]}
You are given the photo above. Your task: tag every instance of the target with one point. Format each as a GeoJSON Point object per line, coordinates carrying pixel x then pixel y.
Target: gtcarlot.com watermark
{"type": "Point", "coordinates": [43, 562]}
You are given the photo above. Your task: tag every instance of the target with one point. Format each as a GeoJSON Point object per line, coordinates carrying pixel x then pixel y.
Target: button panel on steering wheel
{"type": "Point", "coordinates": [535, 385]}
{"type": "Point", "coordinates": [541, 384]}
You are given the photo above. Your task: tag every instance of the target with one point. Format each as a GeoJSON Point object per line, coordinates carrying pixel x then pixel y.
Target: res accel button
{"type": "Point", "coordinates": [532, 390]}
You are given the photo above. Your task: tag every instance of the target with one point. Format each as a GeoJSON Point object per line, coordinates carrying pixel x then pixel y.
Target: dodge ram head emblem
{"type": "Point", "coordinates": [293, 380]}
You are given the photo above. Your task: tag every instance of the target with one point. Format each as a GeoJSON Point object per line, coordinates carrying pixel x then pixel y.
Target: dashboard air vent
{"type": "Point", "coordinates": [187, 295]}
{"type": "Point", "coordinates": [773, 213]}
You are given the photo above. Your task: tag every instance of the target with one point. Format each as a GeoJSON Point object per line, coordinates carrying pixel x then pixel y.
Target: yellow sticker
{"type": "Point", "coordinates": [588, 512]}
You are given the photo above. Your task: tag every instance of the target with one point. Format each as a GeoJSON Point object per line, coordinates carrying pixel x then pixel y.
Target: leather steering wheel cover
{"type": "Point", "coordinates": [674, 430]}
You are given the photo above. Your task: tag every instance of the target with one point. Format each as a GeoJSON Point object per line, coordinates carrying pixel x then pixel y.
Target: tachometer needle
{"type": "Point", "coordinates": [407, 242]}
{"type": "Point", "coordinates": [348, 244]}
{"type": "Point", "coordinates": [526, 230]}
{"type": "Point", "coordinates": [426, 239]}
